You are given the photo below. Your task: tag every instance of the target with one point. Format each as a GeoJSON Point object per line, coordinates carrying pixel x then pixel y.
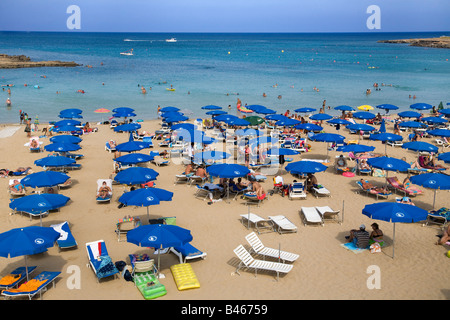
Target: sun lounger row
{"type": "Point", "coordinates": [278, 223]}
{"type": "Point", "coordinates": [318, 215]}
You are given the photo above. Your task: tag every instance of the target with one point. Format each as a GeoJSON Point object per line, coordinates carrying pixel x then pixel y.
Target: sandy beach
{"type": "Point", "coordinates": [324, 270]}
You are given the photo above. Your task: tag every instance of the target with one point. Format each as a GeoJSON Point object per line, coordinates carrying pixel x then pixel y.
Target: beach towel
{"type": "Point", "coordinates": [29, 286]}
{"type": "Point", "coordinates": [9, 279]}
{"type": "Point", "coordinates": [353, 248]}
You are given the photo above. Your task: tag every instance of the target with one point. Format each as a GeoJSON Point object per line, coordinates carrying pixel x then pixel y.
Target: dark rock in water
{"type": "Point", "coordinates": [441, 42]}
{"type": "Point", "coordinates": [12, 62]}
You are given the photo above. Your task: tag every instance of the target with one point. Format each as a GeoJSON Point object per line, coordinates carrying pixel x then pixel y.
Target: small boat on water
{"type": "Point", "coordinates": [127, 53]}
{"type": "Point", "coordinates": [171, 40]}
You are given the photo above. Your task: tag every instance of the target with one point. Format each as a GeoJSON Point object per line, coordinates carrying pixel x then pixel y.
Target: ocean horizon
{"type": "Point", "coordinates": [219, 68]}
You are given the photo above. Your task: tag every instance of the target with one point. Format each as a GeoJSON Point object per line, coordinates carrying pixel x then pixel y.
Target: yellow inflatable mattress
{"type": "Point", "coordinates": [184, 276]}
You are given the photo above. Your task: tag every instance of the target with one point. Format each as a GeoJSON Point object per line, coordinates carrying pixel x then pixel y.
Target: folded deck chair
{"type": "Point", "coordinates": [125, 225]}
{"type": "Point", "coordinates": [282, 224]}
{"type": "Point", "coordinates": [394, 143]}
{"type": "Point", "coordinates": [160, 161]}
{"type": "Point", "coordinates": [397, 186]}
{"type": "Point", "coordinates": [297, 191]}
{"type": "Point", "coordinates": [15, 277]}
{"type": "Point", "coordinates": [373, 192]}
{"type": "Point", "coordinates": [329, 214]}
{"type": "Point", "coordinates": [15, 192]}
{"type": "Point", "coordinates": [311, 216]}
{"type": "Point", "coordinates": [34, 286]}
{"type": "Point", "coordinates": [187, 252]}
{"type": "Point", "coordinates": [259, 248]}
{"type": "Point", "coordinates": [320, 190]}
{"type": "Point", "coordinates": [66, 239]}
{"type": "Point", "coordinates": [247, 261]}
{"type": "Point", "coordinates": [109, 195]}
{"type": "Point", "coordinates": [99, 260]}
{"type": "Point", "coordinates": [258, 222]}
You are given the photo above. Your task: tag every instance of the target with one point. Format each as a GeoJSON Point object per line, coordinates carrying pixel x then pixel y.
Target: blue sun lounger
{"type": "Point", "coordinates": [99, 260]}
{"type": "Point", "coordinates": [188, 252]}
{"type": "Point", "coordinates": [47, 276]}
{"type": "Point", "coordinates": [66, 239]}
{"type": "Point", "coordinates": [21, 272]}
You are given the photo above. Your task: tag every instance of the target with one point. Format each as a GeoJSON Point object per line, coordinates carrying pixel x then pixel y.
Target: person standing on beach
{"type": "Point", "coordinates": [28, 128]}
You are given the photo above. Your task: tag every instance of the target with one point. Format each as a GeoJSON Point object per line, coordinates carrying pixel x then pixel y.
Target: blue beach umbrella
{"type": "Point", "coordinates": [444, 157]}
{"type": "Point", "coordinates": [66, 129]}
{"type": "Point", "coordinates": [124, 114]}
{"type": "Point", "coordinates": [39, 203]}
{"type": "Point", "coordinates": [440, 132]}
{"type": "Point", "coordinates": [387, 107]}
{"type": "Point", "coordinates": [211, 107]}
{"type": "Point", "coordinates": [54, 161]}
{"type": "Point", "coordinates": [170, 109]}
{"type": "Point", "coordinates": [395, 212]}
{"type": "Point", "coordinates": [216, 112]}
{"type": "Point", "coordinates": [122, 110]}
{"type": "Point", "coordinates": [27, 241]}
{"type": "Point", "coordinates": [159, 236]}
{"type": "Point", "coordinates": [356, 148]}
{"type": "Point", "coordinates": [382, 127]}
{"type": "Point", "coordinates": [364, 115]}
{"type": "Point", "coordinates": [173, 119]}
{"type": "Point", "coordinates": [421, 106]}
{"type": "Point", "coordinates": [409, 114]}
{"type": "Point", "coordinates": [225, 117]}
{"type": "Point", "coordinates": [420, 146]}
{"type": "Point", "coordinates": [434, 120]}
{"type": "Point", "coordinates": [433, 181]}
{"type": "Point", "coordinates": [228, 170]}
{"type": "Point", "coordinates": [340, 121]}
{"type": "Point", "coordinates": [135, 175]}
{"type": "Point", "coordinates": [328, 137]}
{"type": "Point", "coordinates": [134, 158]}
{"type": "Point", "coordinates": [238, 122]}
{"type": "Point", "coordinates": [304, 167]}
{"type": "Point", "coordinates": [66, 138]}
{"type": "Point", "coordinates": [344, 108]}
{"type": "Point", "coordinates": [308, 127]}
{"type": "Point", "coordinates": [389, 164]}
{"type": "Point", "coordinates": [43, 179]}
{"type": "Point", "coordinates": [132, 145]}
{"type": "Point", "coordinates": [67, 122]}
{"type": "Point", "coordinates": [62, 147]}
{"type": "Point", "coordinates": [68, 115]}
{"type": "Point", "coordinates": [305, 110]}
{"type": "Point", "coordinates": [72, 110]}
{"type": "Point", "coordinates": [412, 124]}
{"type": "Point", "coordinates": [263, 140]}
{"type": "Point", "coordinates": [266, 111]}
{"type": "Point", "coordinates": [129, 127]}
{"type": "Point", "coordinates": [256, 107]}
{"type": "Point", "coordinates": [320, 117]}
{"type": "Point", "coordinates": [186, 126]}
{"type": "Point", "coordinates": [360, 127]}
{"type": "Point", "coordinates": [276, 117]}
{"type": "Point", "coordinates": [287, 122]}
{"type": "Point", "coordinates": [445, 111]}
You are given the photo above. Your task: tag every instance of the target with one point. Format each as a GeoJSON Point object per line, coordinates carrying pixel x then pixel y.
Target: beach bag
{"type": "Point", "coordinates": [375, 247]}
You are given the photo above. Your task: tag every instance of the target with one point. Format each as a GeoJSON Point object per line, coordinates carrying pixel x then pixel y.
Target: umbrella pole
{"type": "Point", "coordinates": [434, 199]}
{"type": "Point", "coordinates": [148, 215]}
{"type": "Point", "coordinates": [343, 206]}
{"type": "Point", "coordinates": [393, 244]}
{"type": "Point", "coordinates": [26, 266]}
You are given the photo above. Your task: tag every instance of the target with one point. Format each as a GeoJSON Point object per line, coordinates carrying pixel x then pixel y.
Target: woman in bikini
{"type": "Point", "coordinates": [376, 235]}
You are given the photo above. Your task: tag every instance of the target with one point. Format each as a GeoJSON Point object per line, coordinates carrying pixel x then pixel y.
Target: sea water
{"type": "Point", "coordinates": [293, 70]}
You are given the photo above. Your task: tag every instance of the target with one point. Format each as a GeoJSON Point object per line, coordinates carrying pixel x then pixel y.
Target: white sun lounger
{"type": "Point", "coordinates": [329, 214]}
{"type": "Point", "coordinates": [322, 191]}
{"type": "Point", "coordinates": [282, 224]}
{"type": "Point", "coordinates": [258, 222]}
{"type": "Point", "coordinates": [259, 248]}
{"type": "Point", "coordinates": [311, 216]}
{"type": "Point", "coordinates": [249, 262]}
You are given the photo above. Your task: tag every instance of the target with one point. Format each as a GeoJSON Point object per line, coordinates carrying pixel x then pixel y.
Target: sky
{"type": "Point", "coordinates": [225, 15]}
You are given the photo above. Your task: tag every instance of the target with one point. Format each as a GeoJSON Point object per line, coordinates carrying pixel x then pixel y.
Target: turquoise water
{"type": "Point", "coordinates": [213, 68]}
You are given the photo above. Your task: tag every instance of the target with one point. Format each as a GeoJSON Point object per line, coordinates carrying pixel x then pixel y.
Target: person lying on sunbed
{"type": "Point", "coordinates": [408, 186]}
{"type": "Point", "coordinates": [369, 186]}
{"type": "Point", "coordinates": [189, 170]}
{"type": "Point", "coordinates": [104, 191]}
{"type": "Point", "coordinates": [16, 186]}
{"type": "Point", "coordinates": [201, 172]}
{"type": "Point", "coordinates": [34, 144]}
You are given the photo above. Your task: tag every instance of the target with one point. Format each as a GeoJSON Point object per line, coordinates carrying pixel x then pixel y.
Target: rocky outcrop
{"type": "Point", "coordinates": [12, 62]}
{"type": "Point", "coordinates": [441, 42]}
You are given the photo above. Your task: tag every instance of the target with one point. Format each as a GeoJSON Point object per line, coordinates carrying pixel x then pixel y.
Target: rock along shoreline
{"type": "Point", "coordinates": [22, 61]}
